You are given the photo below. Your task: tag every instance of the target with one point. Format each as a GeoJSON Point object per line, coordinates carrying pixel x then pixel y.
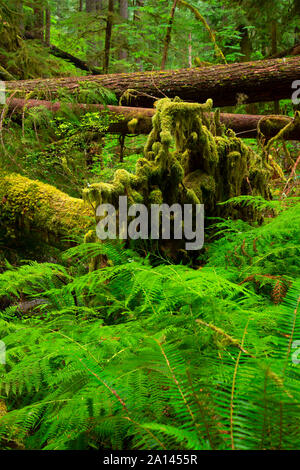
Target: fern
{"type": "Point", "coordinates": [155, 357]}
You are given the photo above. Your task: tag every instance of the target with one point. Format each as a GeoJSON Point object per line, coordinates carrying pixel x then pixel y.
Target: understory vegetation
{"type": "Point", "coordinates": [141, 344]}
{"type": "Point", "coordinates": [160, 356]}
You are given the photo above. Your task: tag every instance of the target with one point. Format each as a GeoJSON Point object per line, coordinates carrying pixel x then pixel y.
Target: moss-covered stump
{"type": "Point", "coordinates": [30, 208]}
{"type": "Point", "coordinates": [189, 158]}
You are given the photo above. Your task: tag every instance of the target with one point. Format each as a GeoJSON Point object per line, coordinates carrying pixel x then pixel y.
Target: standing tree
{"type": "Point", "coordinates": [136, 19]}
{"type": "Point", "coordinates": [17, 9]}
{"type": "Point", "coordinates": [123, 7]}
{"type": "Point", "coordinates": [168, 36]}
{"type": "Point", "coordinates": [90, 5]}
{"type": "Point", "coordinates": [38, 20]}
{"type": "Point", "coordinates": [108, 31]}
{"type": "Point", "coordinates": [48, 26]}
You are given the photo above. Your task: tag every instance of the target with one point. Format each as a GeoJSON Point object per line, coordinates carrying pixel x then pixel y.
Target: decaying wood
{"type": "Point", "coordinates": [245, 125]}
{"type": "Point", "coordinates": [264, 80]}
{"type": "Point", "coordinates": [29, 206]}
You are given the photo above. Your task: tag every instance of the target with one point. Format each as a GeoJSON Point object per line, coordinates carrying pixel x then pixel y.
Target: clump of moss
{"type": "Point", "coordinates": [31, 206]}
{"type": "Point", "coordinates": [188, 158]}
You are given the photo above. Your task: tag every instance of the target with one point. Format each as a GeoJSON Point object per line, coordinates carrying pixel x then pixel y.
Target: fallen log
{"type": "Point", "coordinates": [29, 206]}
{"type": "Point", "coordinates": [57, 52]}
{"type": "Point", "coordinates": [294, 50]}
{"type": "Point", "coordinates": [264, 80]}
{"type": "Point", "coordinates": [142, 115]}
{"type": "Point", "coordinates": [80, 64]}
{"type": "Point", "coordinates": [245, 125]}
{"type": "Point", "coordinates": [5, 75]}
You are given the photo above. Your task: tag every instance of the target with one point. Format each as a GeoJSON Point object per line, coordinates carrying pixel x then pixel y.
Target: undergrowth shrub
{"type": "Point", "coordinates": [156, 357]}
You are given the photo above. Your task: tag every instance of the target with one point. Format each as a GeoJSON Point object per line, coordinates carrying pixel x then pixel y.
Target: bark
{"type": "Point", "coordinates": [93, 5]}
{"type": "Point", "coordinates": [99, 5]}
{"type": "Point", "coordinates": [4, 74]}
{"type": "Point", "coordinates": [168, 36]}
{"type": "Point", "coordinates": [274, 37]}
{"type": "Point", "coordinates": [244, 125]}
{"type": "Point", "coordinates": [297, 36]}
{"type": "Point", "coordinates": [190, 50]}
{"type": "Point", "coordinates": [246, 49]}
{"type": "Point", "coordinates": [274, 52]}
{"type": "Point", "coordinates": [294, 50]}
{"type": "Point", "coordinates": [143, 115]}
{"type": "Point", "coordinates": [90, 5]}
{"type": "Point", "coordinates": [38, 26]}
{"type": "Point", "coordinates": [124, 15]}
{"type": "Point", "coordinates": [124, 9]}
{"type": "Point", "coordinates": [48, 27]}
{"type": "Point", "coordinates": [137, 19]}
{"type": "Point", "coordinates": [109, 25]}
{"type": "Point", "coordinates": [265, 80]}
{"type": "Point", "coordinates": [17, 7]}
{"type": "Point", "coordinates": [138, 3]}
{"type": "Point", "coordinates": [245, 44]}
{"type": "Point", "coordinates": [80, 64]}
{"type": "Point", "coordinates": [28, 206]}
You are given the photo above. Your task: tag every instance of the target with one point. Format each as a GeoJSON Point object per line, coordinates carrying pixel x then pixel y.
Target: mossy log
{"type": "Point", "coordinates": [74, 60]}
{"type": "Point", "coordinates": [31, 207]}
{"type": "Point", "coordinates": [294, 50]}
{"type": "Point", "coordinates": [264, 80]}
{"type": "Point", "coordinates": [5, 75]}
{"type": "Point", "coordinates": [139, 120]}
{"type": "Point", "coordinates": [118, 126]}
{"type": "Point", "coordinates": [190, 158]}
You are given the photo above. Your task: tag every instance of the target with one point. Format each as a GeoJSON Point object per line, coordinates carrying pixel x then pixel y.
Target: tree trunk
{"type": "Point", "coordinates": [124, 9]}
{"type": "Point", "coordinates": [109, 25]}
{"type": "Point", "coordinates": [246, 49]}
{"type": "Point", "coordinates": [291, 51]}
{"type": "Point", "coordinates": [245, 44]}
{"type": "Point", "coordinates": [168, 36]}
{"type": "Point", "coordinates": [80, 64]}
{"type": "Point", "coordinates": [244, 125]}
{"type": "Point", "coordinates": [90, 5]}
{"type": "Point", "coordinates": [38, 25]}
{"type": "Point", "coordinates": [190, 50]}
{"type": "Point", "coordinates": [274, 52]}
{"type": "Point", "coordinates": [137, 19]}
{"type": "Point", "coordinates": [99, 5]}
{"type": "Point", "coordinates": [124, 15]}
{"type": "Point", "coordinates": [263, 80]}
{"type": "Point", "coordinates": [48, 27]}
{"type": "Point", "coordinates": [17, 6]}
{"type": "Point", "coordinates": [5, 75]}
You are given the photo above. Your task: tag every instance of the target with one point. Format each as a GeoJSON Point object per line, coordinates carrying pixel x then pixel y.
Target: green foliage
{"type": "Point", "coordinates": [160, 357]}
{"type": "Point", "coordinates": [64, 149]}
{"type": "Point", "coordinates": [242, 31]}
{"type": "Point", "coordinates": [142, 353]}
{"type": "Point", "coordinates": [87, 92]}
{"type": "Point", "coordinates": [23, 59]}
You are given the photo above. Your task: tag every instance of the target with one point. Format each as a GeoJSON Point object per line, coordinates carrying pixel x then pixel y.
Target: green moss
{"type": "Point", "coordinates": [189, 158]}
{"type": "Point", "coordinates": [27, 205]}
{"type": "Point", "coordinates": [156, 197]}
{"type": "Point", "coordinates": [132, 125]}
